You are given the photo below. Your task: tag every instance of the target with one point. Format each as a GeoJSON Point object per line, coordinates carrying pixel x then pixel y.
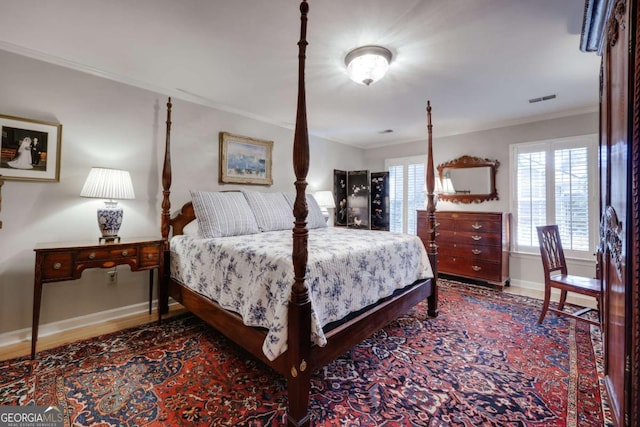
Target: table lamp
{"type": "Point", "coordinates": [108, 184]}
{"type": "Point", "coordinates": [325, 201]}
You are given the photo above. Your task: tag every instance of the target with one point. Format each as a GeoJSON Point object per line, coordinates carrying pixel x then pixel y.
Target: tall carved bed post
{"type": "Point", "coordinates": [432, 249]}
{"type": "Point", "coordinates": [299, 342]}
{"type": "Point", "coordinates": [165, 217]}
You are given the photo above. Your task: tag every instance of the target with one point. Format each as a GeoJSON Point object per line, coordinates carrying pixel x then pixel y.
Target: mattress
{"type": "Point", "coordinates": [252, 275]}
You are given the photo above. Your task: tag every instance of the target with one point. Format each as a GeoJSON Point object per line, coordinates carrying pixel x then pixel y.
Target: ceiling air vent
{"type": "Point", "coordinates": [543, 98]}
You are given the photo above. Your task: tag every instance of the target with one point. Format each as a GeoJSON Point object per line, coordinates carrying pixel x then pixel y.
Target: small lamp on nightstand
{"type": "Point", "coordinates": [109, 184]}
{"type": "Point", "coordinates": [325, 201]}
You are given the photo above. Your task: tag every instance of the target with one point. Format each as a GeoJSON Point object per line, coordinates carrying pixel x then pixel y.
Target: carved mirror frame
{"type": "Point", "coordinates": [470, 162]}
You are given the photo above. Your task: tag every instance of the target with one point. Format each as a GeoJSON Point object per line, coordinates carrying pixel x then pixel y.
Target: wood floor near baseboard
{"type": "Point", "coordinates": [85, 332]}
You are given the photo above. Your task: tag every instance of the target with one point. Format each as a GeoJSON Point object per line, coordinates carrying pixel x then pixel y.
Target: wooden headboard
{"type": "Point", "coordinates": [184, 217]}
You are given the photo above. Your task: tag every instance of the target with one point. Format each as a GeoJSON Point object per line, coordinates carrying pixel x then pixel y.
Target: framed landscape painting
{"type": "Point", "coordinates": [245, 160]}
{"type": "Point", "coordinates": [30, 149]}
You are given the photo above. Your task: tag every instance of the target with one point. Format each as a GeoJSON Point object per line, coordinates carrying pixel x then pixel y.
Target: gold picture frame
{"type": "Point", "coordinates": [245, 160]}
{"type": "Point", "coordinates": [30, 149]}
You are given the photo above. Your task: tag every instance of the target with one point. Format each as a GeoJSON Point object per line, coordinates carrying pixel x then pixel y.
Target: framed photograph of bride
{"type": "Point", "coordinates": [30, 149]}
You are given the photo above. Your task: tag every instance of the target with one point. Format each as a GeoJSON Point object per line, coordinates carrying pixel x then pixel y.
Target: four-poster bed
{"type": "Point", "coordinates": [301, 355]}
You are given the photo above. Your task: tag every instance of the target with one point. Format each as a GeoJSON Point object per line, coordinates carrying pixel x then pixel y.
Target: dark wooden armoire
{"type": "Point", "coordinates": [611, 29]}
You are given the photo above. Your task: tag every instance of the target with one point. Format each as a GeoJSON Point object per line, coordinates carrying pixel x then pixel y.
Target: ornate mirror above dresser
{"type": "Point", "coordinates": [468, 180]}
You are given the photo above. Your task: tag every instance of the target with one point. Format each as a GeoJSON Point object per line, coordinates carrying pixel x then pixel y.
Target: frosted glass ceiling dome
{"type": "Point", "coordinates": [367, 64]}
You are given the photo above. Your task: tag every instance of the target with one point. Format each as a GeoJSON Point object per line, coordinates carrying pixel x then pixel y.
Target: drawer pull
{"type": "Point", "coordinates": [57, 266]}
{"type": "Point", "coordinates": [476, 226]}
{"type": "Point", "coordinates": [476, 251]}
{"type": "Point", "coordinates": [476, 268]}
{"type": "Point", "coordinates": [437, 224]}
{"type": "Point", "coordinates": [437, 234]}
{"type": "Point", "coordinates": [92, 255]}
{"type": "Point", "coordinates": [476, 237]}
{"type": "Point", "coordinates": [149, 256]}
{"type": "Point", "coordinates": [125, 253]}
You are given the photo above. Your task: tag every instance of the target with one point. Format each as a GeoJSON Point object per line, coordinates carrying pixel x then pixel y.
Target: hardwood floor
{"type": "Point", "coordinates": [56, 340]}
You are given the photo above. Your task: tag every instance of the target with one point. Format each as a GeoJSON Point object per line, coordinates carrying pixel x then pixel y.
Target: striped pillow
{"type": "Point", "coordinates": [315, 218]}
{"type": "Point", "coordinates": [272, 211]}
{"type": "Point", "coordinates": [223, 214]}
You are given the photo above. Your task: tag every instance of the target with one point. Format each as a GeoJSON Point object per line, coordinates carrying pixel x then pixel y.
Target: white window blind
{"type": "Point", "coordinates": [415, 194]}
{"type": "Point", "coordinates": [406, 193]}
{"type": "Point", "coordinates": [555, 182]}
{"type": "Point", "coordinates": [396, 196]}
{"type": "Point", "coordinates": [531, 196]}
{"type": "Point", "coordinates": [572, 197]}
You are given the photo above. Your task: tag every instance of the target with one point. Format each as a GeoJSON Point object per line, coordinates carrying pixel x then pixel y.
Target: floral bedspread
{"type": "Point", "coordinates": [252, 275]}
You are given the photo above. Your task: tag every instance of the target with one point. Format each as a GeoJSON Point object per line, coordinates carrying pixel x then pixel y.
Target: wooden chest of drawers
{"type": "Point", "coordinates": [473, 245]}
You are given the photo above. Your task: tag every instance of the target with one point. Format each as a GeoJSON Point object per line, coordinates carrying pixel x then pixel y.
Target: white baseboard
{"type": "Point", "coordinates": [22, 335]}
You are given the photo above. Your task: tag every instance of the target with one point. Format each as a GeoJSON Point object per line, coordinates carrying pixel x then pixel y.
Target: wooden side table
{"type": "Point", "coordinates": [56, 262]}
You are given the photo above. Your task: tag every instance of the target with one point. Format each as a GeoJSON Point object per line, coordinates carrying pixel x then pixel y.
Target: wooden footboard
{"type": "Point", "coordinates": [340, 337]}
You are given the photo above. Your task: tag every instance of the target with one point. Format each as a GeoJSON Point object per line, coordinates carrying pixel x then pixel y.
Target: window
{"type": "Point", "coordinates": [406, 192]}
{"type": "Point", "coordinates": [555, 182]}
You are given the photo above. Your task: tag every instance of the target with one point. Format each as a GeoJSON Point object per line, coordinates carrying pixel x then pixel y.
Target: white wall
{"type": "Point", "coordinates": [109, 124]}
{"type": "Point", "coordinates": [525, 270]}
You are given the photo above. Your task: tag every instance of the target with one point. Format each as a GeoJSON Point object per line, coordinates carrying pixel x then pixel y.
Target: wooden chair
{"type": "Point", "coordinates": [555, 276]}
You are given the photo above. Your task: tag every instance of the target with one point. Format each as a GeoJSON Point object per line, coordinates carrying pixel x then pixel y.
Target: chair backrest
{"type": "Point", "coordinates": [551, 250]}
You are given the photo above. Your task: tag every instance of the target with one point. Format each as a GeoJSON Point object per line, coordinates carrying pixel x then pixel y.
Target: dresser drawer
{"type": "Point", "coordinates": [445, 223]}
{"type": "Point", "coordinates": [483, 239]}
{"type": "Point", "coordinates": [467, 267]}
{"type": "Point", "coordinates": [57, 266]}
{"type": "Point", "coordinates": [149, 256]}
{"type": "Point", "coordinates": [471, 251]}
{"type": "Point", "coordinates": [481, 269]}
{"type": "Point", "coordinates": [449, 238]}
{"type": "Point", "coordinates": [479, 226]}
{"type": "Point", "coordinates": [106, 254]}
{"type": "Point", "coordinates": [445, 237]}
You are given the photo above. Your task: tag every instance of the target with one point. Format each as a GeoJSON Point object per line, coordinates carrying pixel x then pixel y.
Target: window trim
{"type": "Point", "coordinates": [549, 146]}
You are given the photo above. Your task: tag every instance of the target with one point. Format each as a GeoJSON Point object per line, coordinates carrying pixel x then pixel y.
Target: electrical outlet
{"type": "Point", "coordinates": [112, 277]}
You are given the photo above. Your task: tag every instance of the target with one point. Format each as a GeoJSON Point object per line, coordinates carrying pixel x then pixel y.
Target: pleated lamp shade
{"type": "Point", "coordinates": [111, 184]}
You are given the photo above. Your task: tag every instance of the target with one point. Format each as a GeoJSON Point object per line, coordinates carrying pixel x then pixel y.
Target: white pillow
{"type": "Point", "coordinates": [191, 229]}
{"type": "Point", "coordinates": [315, 218]}
{"type": "Point", "coordinates": [272, 211]}
{"type": "Point", "coordinates": [222, 214]}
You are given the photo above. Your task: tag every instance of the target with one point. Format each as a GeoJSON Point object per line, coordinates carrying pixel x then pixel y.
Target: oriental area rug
{"type": "Point", "coordinates": [484, 361]}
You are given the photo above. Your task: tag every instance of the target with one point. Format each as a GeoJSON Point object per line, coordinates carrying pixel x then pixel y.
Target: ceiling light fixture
{"type": "Point", "coordinates": [367, 64]}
